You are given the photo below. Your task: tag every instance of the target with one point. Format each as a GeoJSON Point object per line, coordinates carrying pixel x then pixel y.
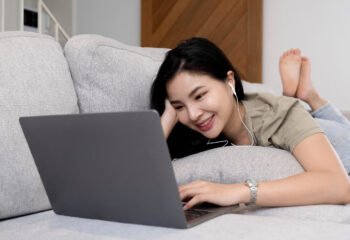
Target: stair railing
{"type": "Point", "coordinates": [58, 28]}
{"type": "Point", "coordinates": [43, 11]}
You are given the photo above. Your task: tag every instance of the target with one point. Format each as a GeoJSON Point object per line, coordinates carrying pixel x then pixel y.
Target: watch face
{"type": "Point", "coordinates": [251, 182]}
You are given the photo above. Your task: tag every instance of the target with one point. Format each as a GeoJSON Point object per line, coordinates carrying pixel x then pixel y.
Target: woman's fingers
{"type": "Point", "coordinates": [168, 119]}
{"type": "Point", "coordinates": [167, 104]}
{"type": "Point", "coordinates": [220, 194]}
{"type": "Point", "coordinates": [194, 201]}
{"type": "Point", "coordinates": [191, 189]}
{"type": "Point", "coordinates": [198, 192]}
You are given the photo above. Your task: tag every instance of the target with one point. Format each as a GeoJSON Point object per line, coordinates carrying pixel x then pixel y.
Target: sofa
{"type": "Point", "coordinates": [97, 74]}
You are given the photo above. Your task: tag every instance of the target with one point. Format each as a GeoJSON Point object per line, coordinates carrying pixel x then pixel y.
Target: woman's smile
{"type": "Point", "coordinates": [206, 125]}
{"type": "Point", "coordinates": [203, 103]}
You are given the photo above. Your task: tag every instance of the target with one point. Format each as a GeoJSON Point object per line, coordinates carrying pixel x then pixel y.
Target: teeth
{"type": "Point", "coordinates": [205, 123]}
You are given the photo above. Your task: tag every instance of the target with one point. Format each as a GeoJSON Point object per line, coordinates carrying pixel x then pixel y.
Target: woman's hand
{"type": "Point", "coordinates": [168, 119]}
{"type": "Point", "coordinates": [220, 194]}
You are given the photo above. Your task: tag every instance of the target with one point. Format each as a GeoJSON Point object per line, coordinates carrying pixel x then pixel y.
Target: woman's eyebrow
{"type": "Point", "coordinates": [190, 95]}
{"type": "Point", "coordinates": [195, 90]}
{"type": "Point", "coordinates": [175, 102]}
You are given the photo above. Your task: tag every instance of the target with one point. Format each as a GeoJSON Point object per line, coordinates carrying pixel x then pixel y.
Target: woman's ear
{"type": "Point", "coordinates": [231, 78]}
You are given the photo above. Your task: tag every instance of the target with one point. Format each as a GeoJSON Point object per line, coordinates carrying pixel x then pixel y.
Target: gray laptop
{"type": "Point", "coordinates": [110, 166]}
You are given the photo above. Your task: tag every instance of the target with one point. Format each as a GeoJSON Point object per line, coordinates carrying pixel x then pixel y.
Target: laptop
{"type": "Point", "coordinates": [110, 166]}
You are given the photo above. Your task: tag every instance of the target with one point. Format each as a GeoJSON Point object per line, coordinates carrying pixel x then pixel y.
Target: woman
{"type": "Point", "coordinates": [200, 98]}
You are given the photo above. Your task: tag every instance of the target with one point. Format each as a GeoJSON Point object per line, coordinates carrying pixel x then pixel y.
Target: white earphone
{"type": "Point", "coordinates": [239, 114]}
{"type": "Point", "coordinates": [233, 89]}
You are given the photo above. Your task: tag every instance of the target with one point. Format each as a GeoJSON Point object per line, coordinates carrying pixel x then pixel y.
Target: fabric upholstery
{"type": "Point", "coordinates": [109, 75]}
{"type": "Point", "coordinates": [235, 164]}
{"type": "Point", "coordinates": [47, 225]}
{"type": "Point", "coordinates": [34, 80]}
{"type": "Point", "coordinates": [112, 76]}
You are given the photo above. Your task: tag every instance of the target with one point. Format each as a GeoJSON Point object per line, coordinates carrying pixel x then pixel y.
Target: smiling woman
{"type": "Point", "coordinates": [201, 60]}
{"type": "Point", "coordinates": [201, 100]}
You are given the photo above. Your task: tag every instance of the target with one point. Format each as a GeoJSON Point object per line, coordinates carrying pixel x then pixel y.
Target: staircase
{"type": "Point", "coordinates": [30, 15]}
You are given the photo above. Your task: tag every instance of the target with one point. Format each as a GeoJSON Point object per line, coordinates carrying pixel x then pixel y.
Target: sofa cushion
{"type": "Point", "coordinates": [109, 75]}
{"type": "Point", "coordinates": [34, 80]}
{"type": "Point", "coordinates": [48, 225]}
{"type": "Point", "coordinates": [235, 164]}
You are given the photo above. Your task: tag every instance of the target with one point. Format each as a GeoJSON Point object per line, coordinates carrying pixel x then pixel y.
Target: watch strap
{"type": "Point", "coordinates": [253, 188]}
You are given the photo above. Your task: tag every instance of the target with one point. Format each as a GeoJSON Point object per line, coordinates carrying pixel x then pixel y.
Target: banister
{"type": "Point", "coordinates": [42, 7]}
{"type": "Point", "coordinates": [58, 27]}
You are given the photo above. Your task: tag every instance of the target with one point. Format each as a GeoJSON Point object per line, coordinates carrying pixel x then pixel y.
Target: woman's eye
{"type": "Point", "coordinates": [178, 108]}
{"type": "Point", "coordinates": [199, 96]}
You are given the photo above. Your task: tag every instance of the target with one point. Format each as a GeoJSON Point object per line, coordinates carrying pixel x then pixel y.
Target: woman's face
{"type": "Point", "coordinates": [202, 103]}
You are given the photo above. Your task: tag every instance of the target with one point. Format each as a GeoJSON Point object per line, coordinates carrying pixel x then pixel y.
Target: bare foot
{"type": "Point", "coordinates": [289, 65]}
{"type": "Point", "coordinates": [305, 84]}
{"type": "Point", "coordinates": [306, 91]}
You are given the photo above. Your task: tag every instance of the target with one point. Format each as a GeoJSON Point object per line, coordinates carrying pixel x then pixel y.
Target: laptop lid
{"type": "Point", "coordinates": [110, 166]}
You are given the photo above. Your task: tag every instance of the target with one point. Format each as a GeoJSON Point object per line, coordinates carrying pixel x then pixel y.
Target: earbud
{"type": "Point", "coordinates": [240, 117]}
{"type": "Point", "coordinates": [233, 89]}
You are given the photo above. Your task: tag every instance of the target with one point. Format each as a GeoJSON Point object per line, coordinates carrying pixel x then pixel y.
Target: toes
{"type": "Point", "coordinates": [305, 59]}
{"type": "Point", "coordinates": [286, 53]}
{"type": "Point", "coordinates": [291, 52]}
{"type": "Point", "coordinates": [297, 51]}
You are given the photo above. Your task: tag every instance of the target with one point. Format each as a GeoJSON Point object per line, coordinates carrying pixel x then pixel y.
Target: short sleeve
{"type": "Point", "coordinates": [281, 121]}
{"type": "Point", "coordinates": [298, 124]}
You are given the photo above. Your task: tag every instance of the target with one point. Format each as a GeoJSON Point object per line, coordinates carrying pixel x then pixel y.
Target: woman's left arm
{"type": "Point", "coordinates": [324, 181]}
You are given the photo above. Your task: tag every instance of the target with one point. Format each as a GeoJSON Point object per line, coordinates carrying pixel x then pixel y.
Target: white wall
{"type": "Point", "coordinates": [2, 15]}
{"type": "Point", "coordinates": [117, 19]}
{"type": "Point", "coordinates": [321, 29]}
{"type": "Point", "coordinates": [12, 11]}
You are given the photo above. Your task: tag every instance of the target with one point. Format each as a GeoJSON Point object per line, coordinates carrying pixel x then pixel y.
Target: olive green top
{"type": "Point", "coordinates": [278, 121]}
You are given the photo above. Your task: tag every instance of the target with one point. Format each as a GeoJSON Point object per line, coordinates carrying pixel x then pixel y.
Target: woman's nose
{"type": "Point", "coordinates": [194, 113]}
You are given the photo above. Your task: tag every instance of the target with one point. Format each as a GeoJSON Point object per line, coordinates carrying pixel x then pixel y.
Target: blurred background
{"type": "Point", "coordinates": [320, 28]}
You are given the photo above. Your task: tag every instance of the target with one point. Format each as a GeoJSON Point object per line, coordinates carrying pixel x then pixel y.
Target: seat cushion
{"type": "Point", "coordinates": [111, 76]}
{"type": "Point", "coordinates": [47, 225]}
{"type": "Point", "coordinates": [34, 80]}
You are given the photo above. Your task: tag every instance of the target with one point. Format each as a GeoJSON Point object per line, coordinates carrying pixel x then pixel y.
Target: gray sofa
{"type": "Point", "coordinates": [97, 74]}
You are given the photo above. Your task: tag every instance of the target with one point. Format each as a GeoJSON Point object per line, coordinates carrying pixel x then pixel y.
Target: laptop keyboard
{"type": "Point", "coordinates": [194, 213]}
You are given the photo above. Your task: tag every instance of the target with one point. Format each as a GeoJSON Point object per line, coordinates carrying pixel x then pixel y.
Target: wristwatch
{"type": "Point", "coordinates": [253, 187]}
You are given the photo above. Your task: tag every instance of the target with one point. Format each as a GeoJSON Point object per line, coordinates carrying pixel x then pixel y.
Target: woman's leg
{"type": "Point", "coordinates": [330, 112]}
{"type": "Point", "coordinates": [295, 72]}
{"type": "Point", "coordinates": [332, 122]}
{"type": "Point", "coordinates": [320, 107]}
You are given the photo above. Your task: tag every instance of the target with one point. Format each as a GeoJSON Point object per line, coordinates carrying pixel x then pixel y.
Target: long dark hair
{"type": "Point", "coordinates": [195, 55]}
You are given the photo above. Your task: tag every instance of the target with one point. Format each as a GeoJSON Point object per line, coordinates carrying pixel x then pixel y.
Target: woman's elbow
{"type": "Point", "coordinates": [343, 192]}
{"type": "Point", "coordinates": [347, 194]}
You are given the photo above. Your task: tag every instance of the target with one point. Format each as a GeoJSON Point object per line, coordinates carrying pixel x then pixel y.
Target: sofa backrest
{"type": "Point", "coordinates": [34, 80]}
{"type": "Point", "coordinates": [109, 75]}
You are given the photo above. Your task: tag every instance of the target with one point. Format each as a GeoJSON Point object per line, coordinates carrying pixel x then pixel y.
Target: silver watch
{"type": "Point", "coordinates": [253, 187]}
